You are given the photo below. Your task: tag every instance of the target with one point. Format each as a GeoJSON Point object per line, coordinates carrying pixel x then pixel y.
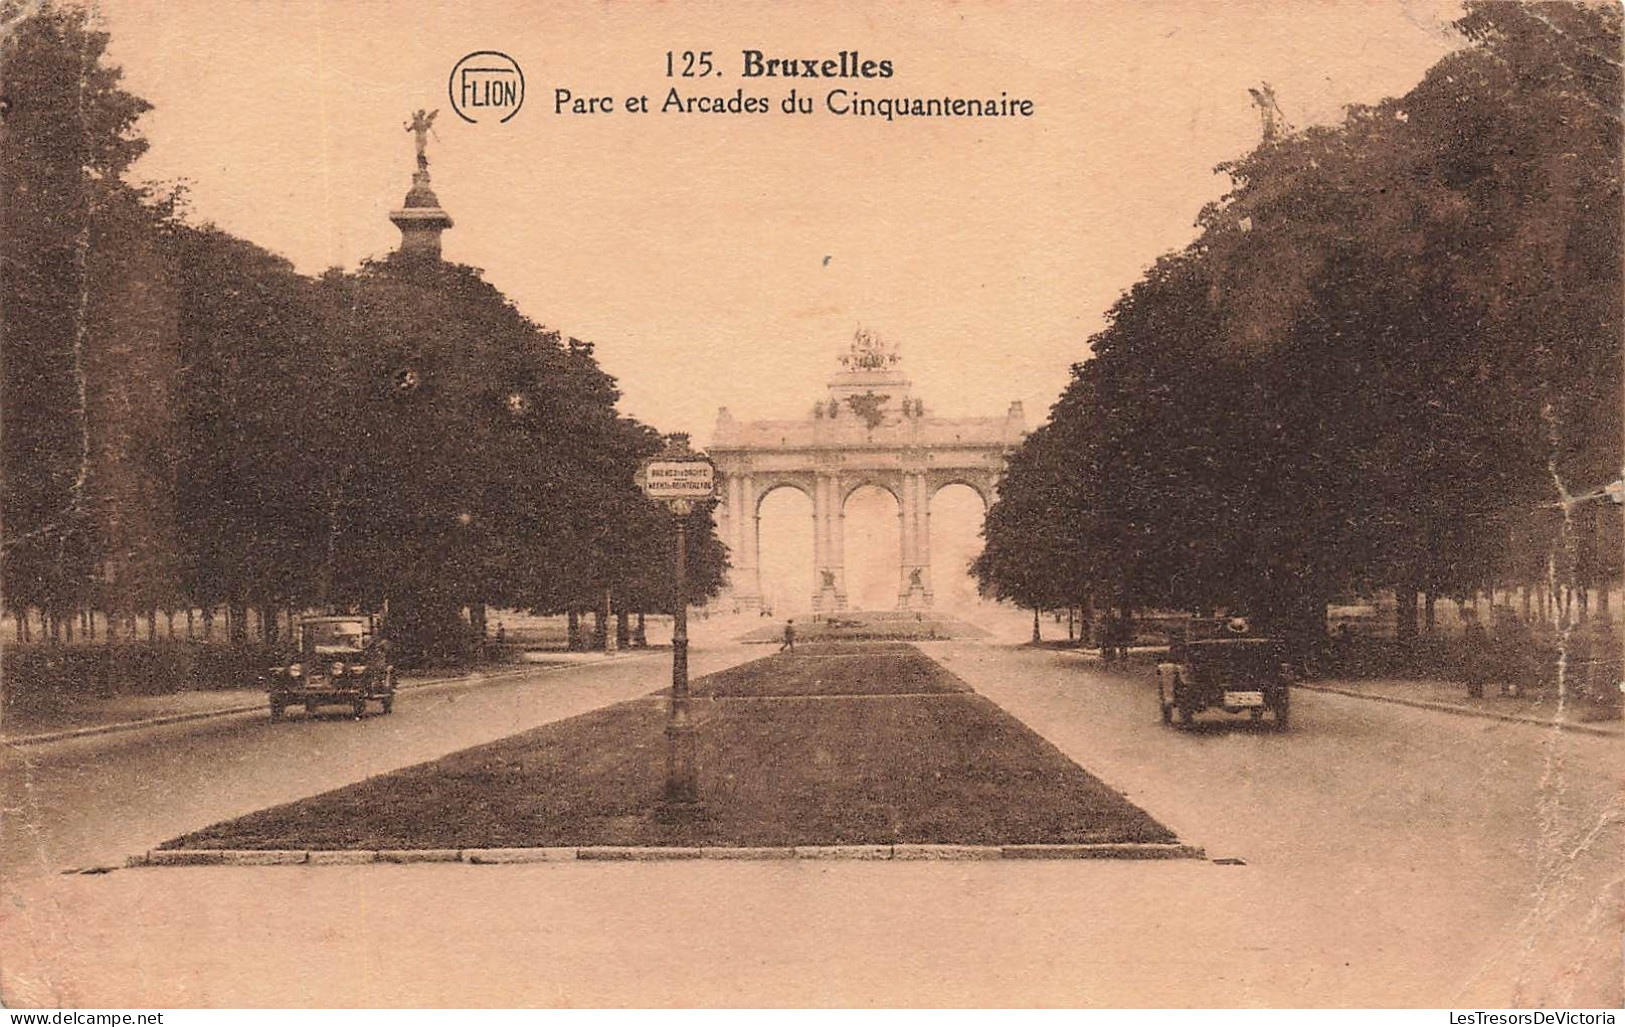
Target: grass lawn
{"type": "Point", "coordinates": [833, 745]}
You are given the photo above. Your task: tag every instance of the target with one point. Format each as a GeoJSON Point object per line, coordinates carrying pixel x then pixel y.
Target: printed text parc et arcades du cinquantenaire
{"type": "Point", "coordinates": [866, 90]}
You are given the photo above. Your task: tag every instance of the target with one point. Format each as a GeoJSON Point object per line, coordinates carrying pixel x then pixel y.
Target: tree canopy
{"type": "Point", "coordinates": [188, 421]}
{"type": "Point", "coordinates": [1389, 343]}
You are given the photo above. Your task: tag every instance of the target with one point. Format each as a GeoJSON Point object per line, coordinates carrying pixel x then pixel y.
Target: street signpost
{"type": "Point", "coordinates": [679, 477]}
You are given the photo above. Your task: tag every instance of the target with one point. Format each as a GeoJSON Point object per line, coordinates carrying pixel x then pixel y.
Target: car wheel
{"type": "Point", "coordinates": [311, 708]}
{"type": "Point", "coordinates": [276, 711]}
{"type": "Point", "coordinates": [389, 704]}
{"type": "Point", "coordinates": [360, 708]}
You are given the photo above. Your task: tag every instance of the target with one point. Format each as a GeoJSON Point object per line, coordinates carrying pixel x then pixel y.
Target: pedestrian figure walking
{"type": "Point", "coordinates": [1476, 643]}
{"type": "Point", "coordinates": [789, 636]}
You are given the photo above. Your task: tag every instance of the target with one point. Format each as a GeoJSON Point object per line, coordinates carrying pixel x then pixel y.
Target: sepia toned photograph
{"type": "Point", "coordinates": [568, 505]}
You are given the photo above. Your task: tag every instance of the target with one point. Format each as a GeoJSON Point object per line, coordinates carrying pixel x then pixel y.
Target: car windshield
{"type": "Point", "coordinates": [1242, 656]}
{"type": "Point", "coordinates": [336, 636]}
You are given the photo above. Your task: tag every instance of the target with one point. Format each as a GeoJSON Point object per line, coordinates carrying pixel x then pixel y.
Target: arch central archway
{"type": "Point", "coordinates": [871, 517]}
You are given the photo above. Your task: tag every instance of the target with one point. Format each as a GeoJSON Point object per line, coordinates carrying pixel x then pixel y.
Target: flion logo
{"type": "Point", "coordinates": [487, 85]}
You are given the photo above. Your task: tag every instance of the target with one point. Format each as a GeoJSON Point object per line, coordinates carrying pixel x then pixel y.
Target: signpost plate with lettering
{"type": "Point", "coordinates": [679, 479]}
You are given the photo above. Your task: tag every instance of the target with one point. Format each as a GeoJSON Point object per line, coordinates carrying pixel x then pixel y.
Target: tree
{"type": "Point", "coordinates": [67, 137]}
{"type": "Point", "coordinates": [1393, 340]}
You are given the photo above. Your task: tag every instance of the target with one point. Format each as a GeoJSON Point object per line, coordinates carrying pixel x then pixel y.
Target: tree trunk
{"type": "Point", "coordinates": [1405, 614]}
{"type": "Point", "coordinates": [189, 622]}
{"type": "Point", "coordinates": [573, 631]}
{"type": "Point", "coordinates": [208, 623]}
{"type": "Point", "coordinates": [1428, 617]}
{"type": "Point", "coordinates": [67, 624]}
{"type": "Point", "coordinates": [1037, 638]}
{"type": "Point", "coordinates": [623, 630]}
{"type": "Point", "coordinates": [152, 623]}
{"type": "Point", "coordinates": [237, 621]}
{"type": "Point", "coordinates": [1071, 625]}
{"type": "Point", "coordinates": [600, 630]}
{"type": "Point", "coordinates": [640, 637]}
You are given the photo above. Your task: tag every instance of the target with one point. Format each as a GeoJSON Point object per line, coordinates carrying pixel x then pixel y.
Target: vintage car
{"type": "Point", "coordinates": [335, 661]}
{"type": "Point", "coordinates": [1231, 670]}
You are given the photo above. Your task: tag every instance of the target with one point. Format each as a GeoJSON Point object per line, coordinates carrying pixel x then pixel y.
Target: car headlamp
{"type": "Point", "coordinates": [358, 668]}
{"type": "Point", "coordinates": [296, 670]}
{"type": "Point", "coordinates": [337, 669]}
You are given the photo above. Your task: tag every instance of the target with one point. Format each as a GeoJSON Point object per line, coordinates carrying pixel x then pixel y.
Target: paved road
{"type": "Point", "coordinates": [94, 801]}
{"type": "Point", "coordinates": [1393, 857]}
{"type": "Point", "coordinates": [1407, 851]}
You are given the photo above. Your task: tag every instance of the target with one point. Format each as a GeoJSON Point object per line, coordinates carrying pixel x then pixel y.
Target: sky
{"type": "Point", "coordinates": [721, 260]}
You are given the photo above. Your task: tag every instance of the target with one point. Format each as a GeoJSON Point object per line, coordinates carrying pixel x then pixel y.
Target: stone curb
{"type": "Point", "coordinates": [420, 855]}
{"type": "Point", "coordinates": [1105, 850]}
{"type": "Point", "coordinates": [843, 852]}
{"type": "Point", "coordinates": [747, 853]}
{"type": "Point", "coordinates": [480, 857]}
{"type": "Point", "coordinates": [1465, 711]}
{"type": "Point", "coordinates": [637, 854]}
{"type": "Point", "coordinates": [260, 707]}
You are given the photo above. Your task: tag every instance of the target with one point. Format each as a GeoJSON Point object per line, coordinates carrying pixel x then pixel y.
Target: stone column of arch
{"type": "Point", "coordinates": [725, 517]}
{"type": "Point", "coordinates": [820, 520]}
{"type": "Point", "coordinates": [914, 513]}
{"type": "Point", "coordinates": [828, 528]}
{"type": "Point", "coordinates": [837, 538]}
{"type": "Point", "coordinates": [924, 537]}
{"type": "Point", "coordinates": [747, 569]}
{"type": "Point", "coordinates": [905, 538]}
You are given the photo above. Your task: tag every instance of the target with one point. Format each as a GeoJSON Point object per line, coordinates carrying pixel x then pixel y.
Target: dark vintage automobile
{"type": "Point", "coordinates": [1231, 670]}
{"type": "Point", "coordinates": [335, 661]}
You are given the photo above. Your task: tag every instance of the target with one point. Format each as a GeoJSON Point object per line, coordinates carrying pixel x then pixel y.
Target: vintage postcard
{"type": "Point", "coordinates": [929, 504]}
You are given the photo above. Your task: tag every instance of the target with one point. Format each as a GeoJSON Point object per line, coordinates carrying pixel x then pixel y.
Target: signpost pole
{"type": "Point", "coordinates": [681, 790]}
{"type": "Point", "coordinates": [679, 477]}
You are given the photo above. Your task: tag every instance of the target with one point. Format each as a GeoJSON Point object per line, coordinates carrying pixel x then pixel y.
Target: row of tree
{"type": "Point", "coordinates": [1389, 356]}
{"type": "Point", "coordinates": [188, 422]}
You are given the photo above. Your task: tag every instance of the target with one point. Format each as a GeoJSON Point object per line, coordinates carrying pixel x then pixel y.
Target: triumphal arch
{"type": "Point", "coordinates": [867, 429]}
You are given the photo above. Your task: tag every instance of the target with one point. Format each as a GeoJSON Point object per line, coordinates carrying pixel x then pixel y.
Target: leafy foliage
{"type": "Point", "coordinates": [1389, 343]}
{"type": "Point", "coordinates": [188, 421]}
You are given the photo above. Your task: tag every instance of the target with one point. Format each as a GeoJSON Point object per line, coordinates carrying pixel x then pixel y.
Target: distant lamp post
{"type": "Point", "coordinates": [678, 476]}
